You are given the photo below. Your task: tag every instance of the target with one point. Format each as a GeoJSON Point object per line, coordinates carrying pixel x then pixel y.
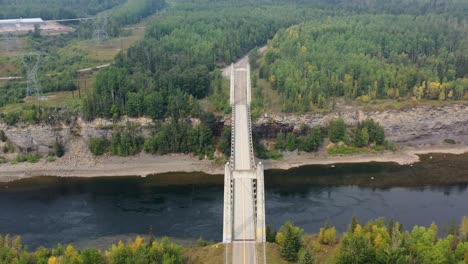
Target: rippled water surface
{"type": "Point", "coordinates": [49, 210]}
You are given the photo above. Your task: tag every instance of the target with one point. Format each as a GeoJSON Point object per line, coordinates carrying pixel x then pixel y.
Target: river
{"type": "Point", "coordinates": [49, 210]}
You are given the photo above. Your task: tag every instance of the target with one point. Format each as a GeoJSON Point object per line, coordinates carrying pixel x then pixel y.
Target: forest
{"type": "Point", "coordinates": [333, 51]}
{"type": "Point", "coordinates": [378, 241]}
{"type": "Point", "coordinates": [54, 9]}
{"type": "Point", "coordinates": [368, 57]}
{"type": "Point", "coordinates": [182, 49]}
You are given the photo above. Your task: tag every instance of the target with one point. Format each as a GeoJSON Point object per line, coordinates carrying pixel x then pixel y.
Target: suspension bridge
{"type": "Point", "coordinates": [244, 201]}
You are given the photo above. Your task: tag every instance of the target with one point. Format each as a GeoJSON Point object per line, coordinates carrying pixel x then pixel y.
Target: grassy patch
{"type": "Point", "coordinates": [206, 255]}
{"type": "Point", "coordinates": [346, 150]}
{"type": "Point", "coordinates": [275, 154]}
{"type": "Point", "coordinates": [94, 53]}
{"type": "Point", "coordinates": [30, 157]}
{"type": "Point", "coordinates": [216, 253]}
{"type": "Point", "coordinates": [272, 254]}
{"type": "Point", "coordinates": [322, 253]}
{"type": "Point", "coordinates": [65, 99]}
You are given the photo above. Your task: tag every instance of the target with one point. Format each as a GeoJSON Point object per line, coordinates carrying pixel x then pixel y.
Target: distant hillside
{"type": "Point", "coordinates": [54, 9]}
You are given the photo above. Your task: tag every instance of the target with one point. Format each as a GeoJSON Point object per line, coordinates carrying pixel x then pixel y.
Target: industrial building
{"type": "Point", "coordinates": [21, 21]}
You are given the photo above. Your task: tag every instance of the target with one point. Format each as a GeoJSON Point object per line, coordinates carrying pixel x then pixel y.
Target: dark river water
{"type": "Point", "coordinates": [49, 210]}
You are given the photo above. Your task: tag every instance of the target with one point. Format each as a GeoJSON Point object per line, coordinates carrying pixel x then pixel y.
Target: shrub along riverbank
{"type": "Point", "coordinates": [182, 137]}
{"type": "Point", "coordinates": [376, 241]}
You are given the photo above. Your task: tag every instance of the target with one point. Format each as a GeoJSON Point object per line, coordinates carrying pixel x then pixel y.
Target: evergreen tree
{"type": "Point", "coordinates": [289, 239]}
{"type": "Point", "coordinates": [308, 258]}
{"type": "Point", "coordinates": [291, 142]}
{"type": "Point", "coordinates": [337, 130]}
{"type": "Point", "coordinates": [288, 249]}
{"type": "Point", "coordinates": [362, 138]}
{"type": "Point", "coordinates": [280, 142]}
{"type": "Point", "coordinates": [391, 226]}
{"type": "Point", "coordinates": [354, 223]}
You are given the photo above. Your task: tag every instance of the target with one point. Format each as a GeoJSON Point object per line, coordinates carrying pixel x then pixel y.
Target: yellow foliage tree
{"type": "Point", "coordinates": [434, 228]}
{"type": "Point", "coordinates": [6, 241]}
{"type": "Point", "coordinates": [16, 243]}
{"type": "Point", "coordinates": [327, 236]}
{"type": "Point", "coordinates": [433, 90]}
{"type": "Point", "coordinates": [464, 228]}
{"type": "Point", "coordinates": [364, 98]}
{"type": "Point", "coordinates": [419, 90]}
{"type": "Point", "coordinates": [358, 229]}
{"type": "Point", "coordinates": [71, 256]}
{"type": "Point", "coordinates": [293, 32]}
{"type": "Point", "coordinates": [155, 245]}
{"type": "Point", "coordinates": [450, 94]}
{"type": "Point", "coordinates": [137, 243]}
{"type": "Point", "coordinates": [272, 79]}
{"type": "Point", "coordinates": [70, 251]}
{"type": "Point", "coordinates": [378, 241]}
{"type": "Point", "coordinates": [52, 260]}
{"type": "Point", "coordinates": [279, 238]}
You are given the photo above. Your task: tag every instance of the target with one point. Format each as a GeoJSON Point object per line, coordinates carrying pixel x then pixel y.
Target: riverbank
{"type": "Point", "coordinates": [405, 156]}
{"type": "Point", "coordinates": [145, 164]}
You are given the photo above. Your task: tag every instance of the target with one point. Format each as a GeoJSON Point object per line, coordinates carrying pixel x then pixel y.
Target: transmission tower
{"type": "Point", "coordinates": [31, 64]}
{"type": "Point", "coordinates": [100, 29]}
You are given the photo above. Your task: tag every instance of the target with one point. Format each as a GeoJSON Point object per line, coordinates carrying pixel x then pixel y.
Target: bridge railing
{"type": "Point", "coordinates": [252, 157]}
{"type": "Point", "coordinates": [233, 136]}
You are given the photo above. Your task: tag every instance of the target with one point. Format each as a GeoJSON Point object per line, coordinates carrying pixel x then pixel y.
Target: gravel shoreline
{"type": "Point", "coordinates": [145, 164]}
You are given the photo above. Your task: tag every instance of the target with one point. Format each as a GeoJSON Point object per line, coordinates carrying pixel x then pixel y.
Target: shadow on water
{"type": "Point", "coordinates": [48, 210]}
{"type": "Point", "coordinates": [433, 170]}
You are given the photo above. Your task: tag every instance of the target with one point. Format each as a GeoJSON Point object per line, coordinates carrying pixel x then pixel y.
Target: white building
{"type": "Point", "coordinates": [21, 21]}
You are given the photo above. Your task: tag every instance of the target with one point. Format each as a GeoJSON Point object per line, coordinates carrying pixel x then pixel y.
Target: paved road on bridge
{"type": "Point", "coordinates": [244, 244]}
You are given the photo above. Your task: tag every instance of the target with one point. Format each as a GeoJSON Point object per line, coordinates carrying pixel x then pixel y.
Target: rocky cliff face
{"type": "Point", "coordinates": [41, 138]}
{"type": "Point", "coordinates": [420, 125]}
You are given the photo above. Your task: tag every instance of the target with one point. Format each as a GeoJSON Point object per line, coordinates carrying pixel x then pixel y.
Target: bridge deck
{"type": "Point", "coordinates": [244, 245]}
{"type": "Point", "coordinates": [242, 139]}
